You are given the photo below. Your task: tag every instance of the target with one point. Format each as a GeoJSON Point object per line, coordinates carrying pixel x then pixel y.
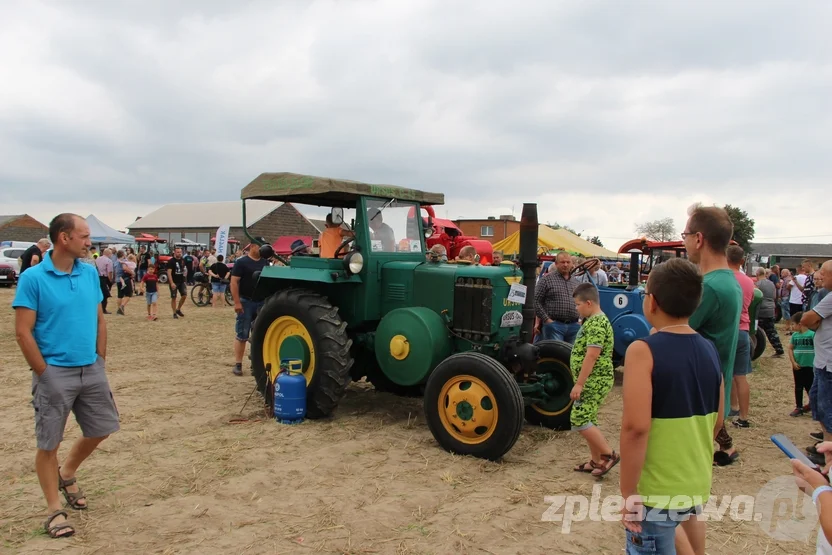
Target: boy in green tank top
{"type": "Point", "coordinates": [673, 401]}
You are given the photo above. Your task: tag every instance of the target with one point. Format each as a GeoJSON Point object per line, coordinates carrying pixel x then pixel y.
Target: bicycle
{"type": "Point", "coordinates": [202, 293]}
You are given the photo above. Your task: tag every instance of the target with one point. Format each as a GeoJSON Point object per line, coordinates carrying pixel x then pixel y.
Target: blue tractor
{"type": "Point", "coordinates": [623, 307]}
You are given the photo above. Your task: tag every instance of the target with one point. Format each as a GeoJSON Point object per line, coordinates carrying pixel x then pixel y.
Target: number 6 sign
{"type": "Point", "coordinates": [620, 301]}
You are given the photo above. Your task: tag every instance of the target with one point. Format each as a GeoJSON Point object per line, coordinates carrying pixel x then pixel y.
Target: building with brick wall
{"type": "Point", "coordinates": [199, 221]}
{"type": "Point", "coordinates": [22, 227]}
{"type": "Point", "coordinates": [492, 229]}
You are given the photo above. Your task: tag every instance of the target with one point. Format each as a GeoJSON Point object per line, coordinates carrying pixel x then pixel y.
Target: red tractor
{"type": "Point", "coordinates": [447, 234]}
{"type": "Point", "coordinates": [159, 249]}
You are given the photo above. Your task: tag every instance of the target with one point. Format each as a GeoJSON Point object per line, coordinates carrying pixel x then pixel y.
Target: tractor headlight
{"type": "Point", "coordinates": [354, 262]}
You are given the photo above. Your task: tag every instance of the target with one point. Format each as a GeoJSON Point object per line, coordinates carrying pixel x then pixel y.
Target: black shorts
{"type": "Point", "coordinates": [126, 290]}
{"type": "Point", "coordinates": [180, 288]}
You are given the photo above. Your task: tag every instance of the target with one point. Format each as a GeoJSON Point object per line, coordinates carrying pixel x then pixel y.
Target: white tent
{"type": "Point", "coordinates": [102, 233]}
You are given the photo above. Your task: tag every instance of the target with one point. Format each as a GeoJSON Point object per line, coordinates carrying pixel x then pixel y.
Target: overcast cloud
{"type": "Point", "coordinates": [606, 114]}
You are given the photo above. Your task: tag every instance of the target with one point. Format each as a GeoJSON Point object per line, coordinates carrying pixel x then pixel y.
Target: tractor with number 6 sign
{"type": "Point", "coordinates": [381, 308]}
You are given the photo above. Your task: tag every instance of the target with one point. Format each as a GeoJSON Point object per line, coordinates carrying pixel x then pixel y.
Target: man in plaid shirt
{"type": "Point", "coordinates": [554, 304]}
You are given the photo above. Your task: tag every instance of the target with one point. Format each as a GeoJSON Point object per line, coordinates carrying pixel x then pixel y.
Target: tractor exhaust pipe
{"type": "Point", "coordinates": [528, 263]}
{"type": "Point", "coordinates": [635, 269]}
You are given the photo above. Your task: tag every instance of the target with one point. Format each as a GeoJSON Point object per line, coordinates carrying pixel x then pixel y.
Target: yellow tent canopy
{"type": "Point", "coordinates": [556, 239]}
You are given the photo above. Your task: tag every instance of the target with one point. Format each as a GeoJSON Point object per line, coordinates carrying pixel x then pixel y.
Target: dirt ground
{"type": "Point", "coordinates": [181, 478]}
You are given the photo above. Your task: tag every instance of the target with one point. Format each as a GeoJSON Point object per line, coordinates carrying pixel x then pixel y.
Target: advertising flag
{"type": "Point", "coordinates": [222, 240]}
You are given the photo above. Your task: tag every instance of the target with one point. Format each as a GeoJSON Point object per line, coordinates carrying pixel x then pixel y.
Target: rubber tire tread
{"type": "Point", "coordinates": [329, 338]}
{"type": "Point", "coordinates": [561, 351]}
{"type": "Point", "coordinates": [195, 295]}
{"type": "Point", "coordinates": [758, 344]}
{"type": "Point", "coordinates": [508, 400]}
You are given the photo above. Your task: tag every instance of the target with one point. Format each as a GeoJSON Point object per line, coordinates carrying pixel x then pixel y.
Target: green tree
{"type": "Point", "coordinates": [595, 240]}
{"type": "Point", "coordinates": [658, 230]}
{"type": "Point", "coordinates": [743, 227]}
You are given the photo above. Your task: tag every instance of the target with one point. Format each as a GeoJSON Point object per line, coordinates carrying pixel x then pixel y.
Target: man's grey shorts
{"type": "Point", "coordinates": [83, 390]}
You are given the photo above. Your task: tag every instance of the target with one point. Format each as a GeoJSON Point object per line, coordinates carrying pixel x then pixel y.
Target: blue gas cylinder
{"type": "Point", "coordinates": [290, 393]}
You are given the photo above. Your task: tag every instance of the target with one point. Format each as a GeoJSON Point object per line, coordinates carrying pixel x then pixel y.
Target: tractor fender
{"type": "Point", "coordinates": [274, 278]}
{"type": "Point", "coordinates": [409, 343]}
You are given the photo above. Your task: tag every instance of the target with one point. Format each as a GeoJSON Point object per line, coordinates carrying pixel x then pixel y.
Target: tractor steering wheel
{"type": "Point", "coordinates": [343, 246]}
{"type": "Point", "coordinates": [584, 267]}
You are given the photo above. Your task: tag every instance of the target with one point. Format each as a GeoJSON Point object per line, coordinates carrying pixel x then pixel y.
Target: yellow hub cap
{"type": "Point", "coordinates": [288, 328]}
{"type": "Point", "coordinates": [467, 409]}
{"type": "Point", "coordinates": [399, 347]}
{"type": "Point", "coordinates": [568, 405]}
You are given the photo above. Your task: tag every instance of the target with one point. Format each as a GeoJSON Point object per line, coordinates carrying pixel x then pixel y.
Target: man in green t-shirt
{"type": "Point", "coordinates": [707, 235]}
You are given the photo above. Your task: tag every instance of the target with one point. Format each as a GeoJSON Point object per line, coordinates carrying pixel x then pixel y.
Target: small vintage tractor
{"type": "Point", "coordinates": [158, 248]}
{"type": "Point", "coordinates": [624, 308]}
{"type": "Point", "coordinates": [458, 334]}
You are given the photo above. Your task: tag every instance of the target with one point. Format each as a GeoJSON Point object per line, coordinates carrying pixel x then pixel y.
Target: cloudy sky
{"type": "Point", "coordinates": [606, 114]}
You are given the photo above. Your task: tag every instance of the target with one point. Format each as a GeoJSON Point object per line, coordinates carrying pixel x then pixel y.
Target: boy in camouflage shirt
{"type": "Point", "coordinates": [592, 370]}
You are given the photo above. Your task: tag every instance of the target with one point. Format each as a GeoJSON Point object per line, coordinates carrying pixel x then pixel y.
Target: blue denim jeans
{"type": "Point", "coordinates": [658, 532]}
{"type": "Point", "coordinates": [785, 308]}
{"type": "Point", "coordinates": [820, 397]}
{"type": "Point", "coordinates": [242, 327]}
{"type": "Point", "coordinates": [560, 331]}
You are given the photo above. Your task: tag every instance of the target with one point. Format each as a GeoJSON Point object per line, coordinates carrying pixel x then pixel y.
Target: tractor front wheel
{"type": "Point", "coordinates": [553, 369]}
{"type": "Point", "coordinates": [301, 324]}
{"type": "Point", "coordinates": [473, 406]}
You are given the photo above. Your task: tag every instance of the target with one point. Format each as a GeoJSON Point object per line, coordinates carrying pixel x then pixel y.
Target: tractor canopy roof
{"type": "Point", "coordinates": [324, 191]}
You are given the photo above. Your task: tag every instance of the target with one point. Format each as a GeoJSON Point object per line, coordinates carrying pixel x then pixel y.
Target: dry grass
{"type": "Point", "coordinates": [180, 477]}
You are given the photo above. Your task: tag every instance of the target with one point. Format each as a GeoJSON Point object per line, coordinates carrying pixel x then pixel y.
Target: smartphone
{"type": "Point", "coordinates": [791, 451]}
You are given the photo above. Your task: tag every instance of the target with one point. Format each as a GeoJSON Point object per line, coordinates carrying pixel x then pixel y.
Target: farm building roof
{"type": "Point", "coordinates": [204, 214]}
{"type": "Point", "coordinates": [10, 218]}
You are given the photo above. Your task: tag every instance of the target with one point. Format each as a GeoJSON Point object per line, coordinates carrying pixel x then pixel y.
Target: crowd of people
{"type": "Point", "coordinates": [681, 383]}
{"type": "Point", "coordinates": [690, 376]}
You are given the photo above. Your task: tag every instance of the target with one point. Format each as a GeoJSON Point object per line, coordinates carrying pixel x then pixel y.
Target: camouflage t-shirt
{"type": "Point", "coordinates": [596, 331]}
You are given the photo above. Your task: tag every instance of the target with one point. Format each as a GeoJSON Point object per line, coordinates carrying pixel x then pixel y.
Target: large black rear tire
{"type": "Point", "coordinates": [473, 406]}
{"type": "Point", "coordinates": [330, 344]}
{"type": "Point", "coordinates": [554, 360]}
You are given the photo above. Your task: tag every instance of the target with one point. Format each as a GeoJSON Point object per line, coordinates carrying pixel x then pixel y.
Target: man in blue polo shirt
{"type": "Point", "coordinates": [60, 328]}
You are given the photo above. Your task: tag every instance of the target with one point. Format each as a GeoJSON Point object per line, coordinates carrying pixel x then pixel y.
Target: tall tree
{"type": "Point", "coordinates": [658, 230]}
{"type": "Point", "coordinates": [743, 227]}
{"type": "Point", "coordinates": [595, 240]}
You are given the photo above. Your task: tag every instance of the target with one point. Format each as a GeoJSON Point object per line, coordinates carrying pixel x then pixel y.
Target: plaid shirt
{"type": "Point", "coordinates": [553, 298]}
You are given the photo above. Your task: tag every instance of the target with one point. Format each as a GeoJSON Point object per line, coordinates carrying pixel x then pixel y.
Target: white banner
{"type": "Point", "coordinates": [221, 244]}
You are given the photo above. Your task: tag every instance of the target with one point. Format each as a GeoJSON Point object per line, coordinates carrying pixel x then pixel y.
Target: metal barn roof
{"type": "Point", "coordinates": [205, 214]}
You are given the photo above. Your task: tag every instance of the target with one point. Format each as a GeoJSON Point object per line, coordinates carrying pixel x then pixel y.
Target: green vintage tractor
{"type": "Point", "coordinates": [381, 308]}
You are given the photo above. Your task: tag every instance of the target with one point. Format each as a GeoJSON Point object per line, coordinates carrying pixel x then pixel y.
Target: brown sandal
{"type": "Point", "coordinates": [609, 462]}
{"type": "Point", "coordinates": [72, 498]}
{"type": "Point", "coordinates": [582, 467]}
{"type": "Point", "coordinates": [54, 529]}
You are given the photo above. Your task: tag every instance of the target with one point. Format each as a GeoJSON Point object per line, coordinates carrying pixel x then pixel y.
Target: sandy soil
{"type": "Point", "coordinates": [181, 478]}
